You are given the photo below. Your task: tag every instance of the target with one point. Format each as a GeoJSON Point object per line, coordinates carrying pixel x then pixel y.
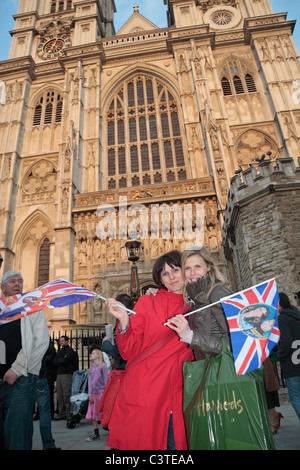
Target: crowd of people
{"type": "Point", "coordinates": [140, 400]}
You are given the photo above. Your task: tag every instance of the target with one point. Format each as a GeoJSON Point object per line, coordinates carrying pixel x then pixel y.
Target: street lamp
{"type": "Point", "coordinates": [133, 254]}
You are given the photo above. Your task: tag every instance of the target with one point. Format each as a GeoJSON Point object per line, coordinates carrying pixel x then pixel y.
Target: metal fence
{"type": "Point", "coordinates": [81, 340]}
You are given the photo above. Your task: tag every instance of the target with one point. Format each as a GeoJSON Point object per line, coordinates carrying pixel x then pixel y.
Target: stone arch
{"type": "Point", "coordinates": [39, 92]}
{"type": "Point", "coordinates": [43, 122]}
{"type": "Point", "coordinates": [26, 246]}
{"type": "Point", "coordinates": [233, 57]}
{"type": "Point", "coordinates": [39, 182]}
{"type": "Point", "coordinates": [237, 75]}
{"type": "Point", "coordinates": [143, 129]}
{"type": "Point", "coordinates": [112, 86]}
{"type": "Point", "coordinates": [252, 144]}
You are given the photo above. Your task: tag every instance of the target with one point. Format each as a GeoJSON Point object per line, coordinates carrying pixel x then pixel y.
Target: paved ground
{"type": "Point", "coordinates": [287, 437]}
{"type": "Point", "coordinates": [72, 439]}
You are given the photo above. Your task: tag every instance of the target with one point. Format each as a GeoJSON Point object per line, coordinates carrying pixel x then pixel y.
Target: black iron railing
{"type": "Point", "coordinates": [81, 340]}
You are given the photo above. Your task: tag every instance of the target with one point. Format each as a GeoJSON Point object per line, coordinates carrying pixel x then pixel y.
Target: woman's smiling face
{"type": "Point", "coordinates": [172, 278]}
{"type": "Point", "coordinates": [195, 268]}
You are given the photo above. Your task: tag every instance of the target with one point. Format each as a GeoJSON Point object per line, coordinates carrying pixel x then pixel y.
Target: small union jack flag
{"type": "Point", "coordinates": [54, 294]}
{"type": "Point", "coordinates": [252, 319]}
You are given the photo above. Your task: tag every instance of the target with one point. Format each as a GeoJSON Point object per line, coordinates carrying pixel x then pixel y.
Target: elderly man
{"type": "Point", "coordinates": [26, 340]}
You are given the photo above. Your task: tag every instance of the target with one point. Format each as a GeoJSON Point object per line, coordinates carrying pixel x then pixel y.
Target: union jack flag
{"type": "Point", "coordinates": [54, 294]}
{"type": "Point", "coordinates": [252, 319]}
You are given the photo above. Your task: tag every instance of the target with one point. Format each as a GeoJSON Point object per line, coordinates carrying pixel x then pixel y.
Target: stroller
{"type": "Point", "coordinates": [79, 399]}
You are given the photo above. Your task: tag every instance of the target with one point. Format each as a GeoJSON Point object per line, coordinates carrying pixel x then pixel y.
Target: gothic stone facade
{"type": "Point", "coordinates": [156, 116]}
{"type": "Point", "coordinates": [261, 226]}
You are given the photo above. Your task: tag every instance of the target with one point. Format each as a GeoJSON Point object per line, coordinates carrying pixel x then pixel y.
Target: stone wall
{"type": "Point", "coordinates": [261, 230]}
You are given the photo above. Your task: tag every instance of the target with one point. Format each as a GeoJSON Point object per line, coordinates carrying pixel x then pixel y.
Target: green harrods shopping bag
{"type": "Point", "coordinates": [223, 410]}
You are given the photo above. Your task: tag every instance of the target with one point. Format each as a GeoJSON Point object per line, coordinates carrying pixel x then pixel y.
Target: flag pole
{"type": "Point", "coordinates": [223, 298]}
{"type": "Point", "coordinates": [199, 309]}
{"type": "Point", "coordinates": [119, 305]}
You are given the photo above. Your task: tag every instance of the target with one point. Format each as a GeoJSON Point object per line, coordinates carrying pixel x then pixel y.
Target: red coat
{"type": "Point", "coordinates": [152, 388]}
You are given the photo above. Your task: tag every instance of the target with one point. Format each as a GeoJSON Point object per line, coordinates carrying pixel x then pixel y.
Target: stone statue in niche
{"type": "Point", "coordinates": [195, 139]}
{"type": "Point", "coordinates": [182, 64]}
{"type": "Point", "coordinates": [198, 69]}
{"type": "Point", "coordinates": [212, 238]}
{"type": "Point", "coordinates": [97, 303]}
{"type": "Point", "coordinates": [68, 156]}
{"type": "Point", "coordinates": [154, 248]}
{"type": "Point", "coordinates": [97, 252]}
{"type": "Point", "coordinates": [82, 254]}
{"type": "Point", "coordinates": [210, 217]}
{"type": "Point", "coordinates": [110, 252]}
{"type": "Point", "coordinates": [65, 200]}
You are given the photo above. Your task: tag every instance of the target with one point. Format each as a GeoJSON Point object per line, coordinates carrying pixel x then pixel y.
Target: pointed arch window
{"type": "Point", "coordinates": [250, 83]}
{"type": "Point", "coordinates": [58, 111]}
{"type": "Point", "coordinates": [44, 262]}
{"type": "Point", "coordinates": [236, 79]}
{"type": "Point", "coordinates": [48, 109]}
{"type": "Point", "coordinates": [48, 113]}
{"type": "Point", "coordinates": [144, 135]}
{"type": "Point", "coordinates": [37, 115]}
{"type": "Point", "coordinates": [226, 86]}
{"type": "Point", "coordinates": [238, 86]}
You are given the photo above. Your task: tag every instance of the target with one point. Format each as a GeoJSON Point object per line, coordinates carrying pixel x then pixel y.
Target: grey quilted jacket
{"type": "Point", "coordinates": [209, 325]}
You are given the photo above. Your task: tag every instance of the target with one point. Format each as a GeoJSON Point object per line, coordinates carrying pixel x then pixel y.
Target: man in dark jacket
{"type": "Point", "coordinates": [66, 362]}
{"type": "Point", "coordinates": [289, 349]}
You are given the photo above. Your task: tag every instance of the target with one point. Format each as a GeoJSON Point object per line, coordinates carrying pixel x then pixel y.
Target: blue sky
{"type": "Point", "coordinates": [154, 10]}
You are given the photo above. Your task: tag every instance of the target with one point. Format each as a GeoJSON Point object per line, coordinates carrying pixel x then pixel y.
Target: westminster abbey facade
{"type": "Point", "coordinates": [98, 129]}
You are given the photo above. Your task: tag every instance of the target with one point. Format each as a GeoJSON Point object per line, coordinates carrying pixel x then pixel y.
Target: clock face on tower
{"type": "Point", "coordinates": [53, 46]}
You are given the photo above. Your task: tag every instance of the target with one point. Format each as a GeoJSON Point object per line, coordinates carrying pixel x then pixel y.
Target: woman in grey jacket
{"type": "Point", "coordinates": [204, 285]}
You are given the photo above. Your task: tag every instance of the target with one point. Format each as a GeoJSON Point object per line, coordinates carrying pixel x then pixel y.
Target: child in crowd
{"type": "Point", "coordinates": [97, 380]}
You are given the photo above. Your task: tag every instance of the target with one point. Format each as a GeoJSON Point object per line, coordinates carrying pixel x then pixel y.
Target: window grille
{"type": "Point", "coordinates": [143, 134]}
{"type": "Point", "coordinates": [48, 109]}
{"type": "Point", "coordinates": [238, 86]}
{"type": "Point", "coordinates": [250, 83]}
{"type": "Point", "coordinates": [236, 80]}
{"type": "Point", "coordinates": [44, 262]}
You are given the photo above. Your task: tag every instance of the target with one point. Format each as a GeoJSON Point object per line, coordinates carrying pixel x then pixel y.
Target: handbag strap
{"type": "Point", "coordinates": [152, 349]}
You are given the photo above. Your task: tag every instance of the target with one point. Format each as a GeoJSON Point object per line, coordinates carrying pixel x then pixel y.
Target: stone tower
{"type": "Point", "coordinates": [261, 225]}
{"type": "Point", "coordinates": [105, 134]}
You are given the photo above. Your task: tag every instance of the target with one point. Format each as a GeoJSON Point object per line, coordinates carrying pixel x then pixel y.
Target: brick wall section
{"type": "Point", "coordinates": [261, 230]}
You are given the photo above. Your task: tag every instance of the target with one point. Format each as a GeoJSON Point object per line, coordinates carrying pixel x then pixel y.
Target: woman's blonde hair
{"type": "Point", "coordinates": [100, 355]}
{"type": "Point", "coordinates": [214, 274]}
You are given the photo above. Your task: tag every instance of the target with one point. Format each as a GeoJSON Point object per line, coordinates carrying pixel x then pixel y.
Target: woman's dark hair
{"type": "Point", "coordinates": [125, 300]}
{"type": "Point", "coordinates": [172, 258]}
{"type": "Point", "coordinates": [255, 320]}
{"type": "Point", "coordinates": [284, 301]}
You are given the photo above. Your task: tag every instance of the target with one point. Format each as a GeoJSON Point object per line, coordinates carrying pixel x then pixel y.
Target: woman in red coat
{"type": "Point", "coordinates": [148, 409]}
